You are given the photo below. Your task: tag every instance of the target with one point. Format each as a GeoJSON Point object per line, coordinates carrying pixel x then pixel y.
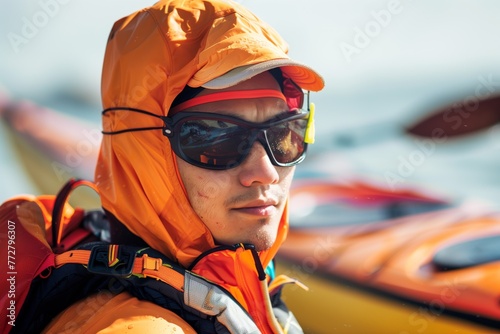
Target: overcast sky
{"type": "Point", "coordinates": [352, 43]}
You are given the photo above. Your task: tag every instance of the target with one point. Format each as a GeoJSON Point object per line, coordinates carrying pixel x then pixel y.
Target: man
{"type": "Point", "coordinates": [203, 125]}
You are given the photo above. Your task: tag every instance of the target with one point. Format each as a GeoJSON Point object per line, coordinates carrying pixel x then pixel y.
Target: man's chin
{"type": "Point", "coordinates": [263, 242]}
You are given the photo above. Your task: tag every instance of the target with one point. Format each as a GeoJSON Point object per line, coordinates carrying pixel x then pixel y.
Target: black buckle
{"type": "Point", "coordinates": [98, 262]}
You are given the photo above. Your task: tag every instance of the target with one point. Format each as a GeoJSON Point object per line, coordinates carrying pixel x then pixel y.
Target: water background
{"type": "Point", "coordinates": [385, 63]}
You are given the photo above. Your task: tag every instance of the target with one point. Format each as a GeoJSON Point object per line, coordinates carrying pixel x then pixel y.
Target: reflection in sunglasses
{"type": "Point", "coordinates": [220, 142]}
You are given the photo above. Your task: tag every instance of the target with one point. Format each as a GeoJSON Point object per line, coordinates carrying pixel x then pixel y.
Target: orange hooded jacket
{"type": "Point", "coordinates": [151, 55]}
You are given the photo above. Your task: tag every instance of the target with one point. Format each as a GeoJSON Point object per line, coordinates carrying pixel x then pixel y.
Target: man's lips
{"type": "Point", "coordinates": [258, 208]}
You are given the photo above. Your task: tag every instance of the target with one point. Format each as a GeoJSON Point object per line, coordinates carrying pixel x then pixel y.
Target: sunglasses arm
{"type": "Point", "coordinates": [310, 129]}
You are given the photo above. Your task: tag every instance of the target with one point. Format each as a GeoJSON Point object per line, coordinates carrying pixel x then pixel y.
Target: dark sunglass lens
{"type": "Point", "coordinates": [286, 140]}
{"type": "Point", "coordinates": [212, 143]}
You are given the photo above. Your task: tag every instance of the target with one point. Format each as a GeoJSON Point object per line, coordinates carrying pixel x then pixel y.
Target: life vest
{"type": "Point", "coordinates": [47, 272]}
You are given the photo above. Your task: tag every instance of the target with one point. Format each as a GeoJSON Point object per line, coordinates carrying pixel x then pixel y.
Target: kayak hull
{"type": "Point", "coordinates": [335, 305]}
{"type": "Point", "coordinates": [384, 277]}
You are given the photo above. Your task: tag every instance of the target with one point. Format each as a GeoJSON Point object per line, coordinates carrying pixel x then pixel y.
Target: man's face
{"type": "Point", "coordinates": [245, 203]}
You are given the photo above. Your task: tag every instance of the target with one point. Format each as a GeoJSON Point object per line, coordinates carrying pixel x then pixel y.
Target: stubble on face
{"type": "Point", "coordinates": [213, 199]}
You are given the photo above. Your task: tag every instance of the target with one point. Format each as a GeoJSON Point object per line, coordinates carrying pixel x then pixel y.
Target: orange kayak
{"type": "Point", "coordinates": [433, 272]}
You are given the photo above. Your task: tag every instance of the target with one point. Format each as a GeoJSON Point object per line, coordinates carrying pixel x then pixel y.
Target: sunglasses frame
{"type": "Point", "coordinates": [258, 132]}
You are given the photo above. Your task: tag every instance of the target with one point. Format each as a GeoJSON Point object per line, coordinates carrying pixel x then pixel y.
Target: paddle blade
{"type": "Point", "coordinates": [458, 119]}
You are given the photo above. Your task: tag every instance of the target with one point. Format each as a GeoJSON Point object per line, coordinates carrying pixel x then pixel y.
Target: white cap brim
{"type": "Point", "coordinates": [301, 74]}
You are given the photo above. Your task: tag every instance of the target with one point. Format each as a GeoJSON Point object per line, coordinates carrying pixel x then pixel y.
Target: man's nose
{"type": "Point", "coordinates": [257, 167]}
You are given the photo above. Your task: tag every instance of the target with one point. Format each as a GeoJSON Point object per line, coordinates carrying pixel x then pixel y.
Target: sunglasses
{"type": "Point", "coordinates": [219, 142]}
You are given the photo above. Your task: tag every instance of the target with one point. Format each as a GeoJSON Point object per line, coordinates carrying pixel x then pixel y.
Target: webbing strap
{"type": "Point", "coordinates": [143, 266]}
{"type": "Point", "coordinates": [74, 256]}
{"type": "Point", "coordinates": [153, 267]}
{"type": "Point", "coordinates": [211, 300]}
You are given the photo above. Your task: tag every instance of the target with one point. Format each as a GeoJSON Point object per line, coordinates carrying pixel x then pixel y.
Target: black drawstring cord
{"type": "Point", "coordinates": [145, 112]}
{"type": "Point", "coordinates": [130, 130]}
{"type": "Point", "coordinates": [131, 109]}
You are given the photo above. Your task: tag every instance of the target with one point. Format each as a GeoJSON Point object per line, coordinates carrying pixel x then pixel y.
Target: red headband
{"type": "Point", "coordinates": [228, 95]}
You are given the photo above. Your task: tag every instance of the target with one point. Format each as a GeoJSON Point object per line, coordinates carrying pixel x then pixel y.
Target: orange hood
{"type": "Point", "coordinates": [150, 57]}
